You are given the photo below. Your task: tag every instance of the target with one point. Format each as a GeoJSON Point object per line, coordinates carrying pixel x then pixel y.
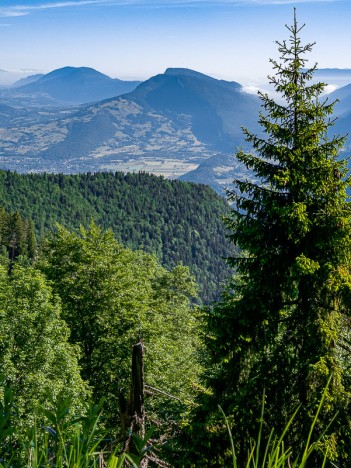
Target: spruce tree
{"type": "Point", "coordinates": [283, 330]}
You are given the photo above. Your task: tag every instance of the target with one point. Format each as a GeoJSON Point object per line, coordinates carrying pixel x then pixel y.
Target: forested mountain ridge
{"type": "Point", "coordinates": [260, 378]}
{"type": "Point", "coordinates": [180, 222]}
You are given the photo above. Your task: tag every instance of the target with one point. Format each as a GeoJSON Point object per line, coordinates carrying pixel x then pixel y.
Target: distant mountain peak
{"type": "Point", "coordinates": [66, 72]}
{"type": "Point", "coordinates": [199, 76]}
{"type": "Point", "coordinates": [184, 71]}
{"type": "Point", "coordinates": [72, 86]}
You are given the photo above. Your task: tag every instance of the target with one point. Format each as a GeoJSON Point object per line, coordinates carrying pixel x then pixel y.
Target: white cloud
{"type": "Point", "coordinates": [9, 12]}
{"type": "Point", "coordinates": [251, 89]}
{"type": "Point", "coordinates": [329, 88]}
{"type": "Point", "coordinates": [23, 10]}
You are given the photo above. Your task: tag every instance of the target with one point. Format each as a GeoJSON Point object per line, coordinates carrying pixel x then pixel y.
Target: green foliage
{"type": "Point", "coordinates": [76, 440]}
{"type": "Point", "coordinates": [69, 439]}
{"type": "Point", "coordinates": [283, 327]}
{"type": "Point", "coordinates": [99, 295]}
{"type": "Point", "coordinates": [109, 294]}
{"type": "Point", "coordinates": [37, 364]}
{"type": "Point", "coordinates": [177, 221]}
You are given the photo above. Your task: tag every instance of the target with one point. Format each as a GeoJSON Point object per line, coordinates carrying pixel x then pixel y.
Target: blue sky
{"type": "Point", "coordinates": [135, 39]}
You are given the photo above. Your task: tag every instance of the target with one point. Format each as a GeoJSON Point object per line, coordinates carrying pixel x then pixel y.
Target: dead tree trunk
{"type": "Point", "coordinates": [135, 408]}
{"type": "Point", "coordinates": [137, 391]}
{"type": "Point", "coordinates": [133, 411]}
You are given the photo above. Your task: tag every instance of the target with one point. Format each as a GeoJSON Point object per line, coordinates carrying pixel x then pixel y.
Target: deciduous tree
{"type": "Point", "coordinates": [37, 364]}
{"type": "Point", "coordinates": [109, 295]}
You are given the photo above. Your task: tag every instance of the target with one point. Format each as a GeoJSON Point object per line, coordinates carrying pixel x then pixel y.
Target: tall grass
{"type": "Point", "coordinates": [69, 450]}
{"type": "Point", "coordinates": [78, 442]}
{"type": "Point", "coordinates": [67, 441]}
{"type": "Point", "coordinates": [275, 453]}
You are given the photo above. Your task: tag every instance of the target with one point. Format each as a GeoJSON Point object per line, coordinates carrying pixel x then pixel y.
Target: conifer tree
{"type": "Point", "coordinates": [284, 328]}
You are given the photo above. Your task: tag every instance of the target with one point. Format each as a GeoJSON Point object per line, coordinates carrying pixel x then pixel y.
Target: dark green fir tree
{"type": "Point", "coordinates": [282, 332]}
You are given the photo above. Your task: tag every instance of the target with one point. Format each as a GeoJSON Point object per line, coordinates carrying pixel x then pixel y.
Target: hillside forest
{"type": "Point", "coordinates": [117, 348]}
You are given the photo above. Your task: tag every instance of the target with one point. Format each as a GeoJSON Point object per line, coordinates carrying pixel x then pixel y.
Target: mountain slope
{"type": "Point", "coordinates": [217, 108]}
{"type": "Point", "coordinates": [181, 114]}
{"type": "Point", "coordinates": [70, 86]}
{"type": "Point", "coordinates": [27, 80]}
{"type": "Point", "coordinates": [178, 221]}
{"type": "Point", "coordinates": [343, 95]}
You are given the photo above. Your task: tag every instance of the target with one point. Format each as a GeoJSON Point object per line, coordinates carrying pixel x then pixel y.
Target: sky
{"type": "Point", "coordinates": [135, 39]}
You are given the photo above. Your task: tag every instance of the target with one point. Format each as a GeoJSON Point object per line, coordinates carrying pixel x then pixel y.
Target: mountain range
{"type": "Point", "coordinates": [65, 87]}
{"type": "Point", "coordinates": [335, 77]}
{"type": "Point", "coordinates": [181, 115]}
{"type": "Point", "coordinates": [181, 123]}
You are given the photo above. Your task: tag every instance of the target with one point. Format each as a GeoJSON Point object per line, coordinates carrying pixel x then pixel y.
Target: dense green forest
{"type": "Point", "coordinates": [107, 361]}
{"type": "Point", "coordinates": [177, 221]}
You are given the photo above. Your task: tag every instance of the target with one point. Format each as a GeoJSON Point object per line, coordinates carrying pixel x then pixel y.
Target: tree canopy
{"type": "Point", "coordinates": [38, 366]}
{"type": "Point", "coordinates": [109, 295]}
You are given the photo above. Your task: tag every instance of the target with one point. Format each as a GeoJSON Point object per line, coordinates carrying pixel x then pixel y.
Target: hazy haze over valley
{"type": "Point", "coordinates": [91, 85]}
{"type": "Point", "coordinates": [180, 124]}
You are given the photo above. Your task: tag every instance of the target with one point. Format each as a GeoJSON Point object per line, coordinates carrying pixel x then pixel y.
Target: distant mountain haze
{"type": "Point", "coordinates": [180, 114]}
{"type": "Point", "coordinates": [337, 77]}
{"type": "Point", "coordinates": [69, 86]}
{"type": "Point", "coordinates": [217, 108]}
{"type": "Point", "coordinates": [27, 80]}
{"type": "Point", "coordinates": [7, 78]}
{"type": "Point", "coordinates": [180, 118]}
